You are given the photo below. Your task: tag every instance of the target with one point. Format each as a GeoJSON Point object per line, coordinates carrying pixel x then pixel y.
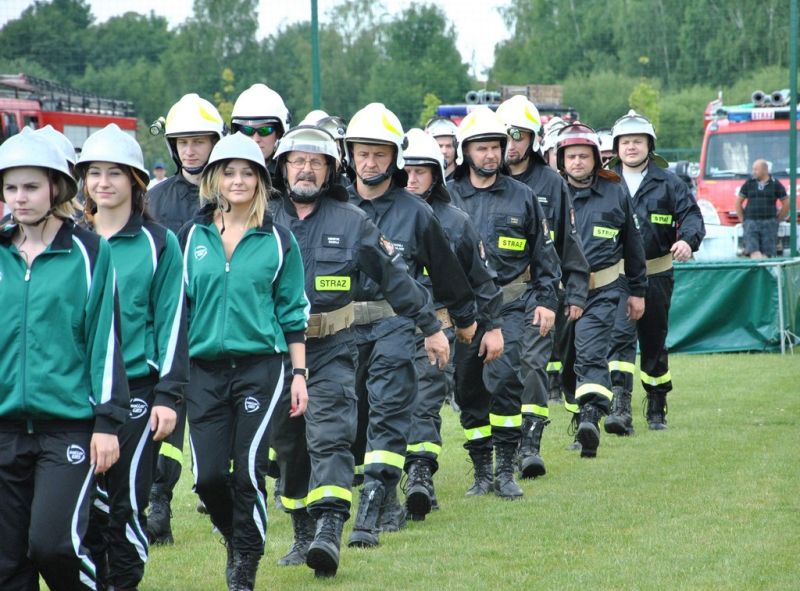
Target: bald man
{"type": "Point", "coordinates": [759, 213]}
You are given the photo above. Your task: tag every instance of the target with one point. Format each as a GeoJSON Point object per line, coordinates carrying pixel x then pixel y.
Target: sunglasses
{"type": "Point", "coordinates": [263, 131]}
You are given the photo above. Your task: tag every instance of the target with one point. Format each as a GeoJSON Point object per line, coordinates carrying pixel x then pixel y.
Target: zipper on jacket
{"type": "Point", "coordinates": [25, 343]}
{"type": "Point", "coordinates": [224, 307]}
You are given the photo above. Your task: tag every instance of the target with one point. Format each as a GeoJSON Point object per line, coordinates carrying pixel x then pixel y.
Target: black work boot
{"type": "Point", "coordinates": [365, 529]}
{"type": "Point", "coordinates": [245, 566]}
{"type": "Point", "coordinates": [504, 484]}
{"type": "Point", "coordinates": [304, 527]}
{"type": "Point", "coordinates": [277, 493]}
{"type": "Point", "coordinates": [554, 386]}
{"type": "Point", "coordinates": [323, 554]}
{"type": "Point", "coordinates": [531, 463]}
{"type": "Point", "coordinates": [419, 490]}
{"type": "Point", "coordinates": [393, 516]}
{"type": "Point", "coordinates": [573, 430]}
{"type": "Point", "coordinates": [656, 411]}
{"type": "Point", "coordinates": [482, 465]}
{"type": "Point", "coordinates": [227, 541]}
{"type": "Point", "coordinates": [159, 529]}
{"type": "Point", "coordinates": [588, 434]}
{"type": "Point", "coordinates": [620, 419]}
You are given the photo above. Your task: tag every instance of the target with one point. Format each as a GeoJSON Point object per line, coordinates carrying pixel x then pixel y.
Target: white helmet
{"type": "Point", "coordinates": [111, 144]}
{"type": "Point", "coordinates": [28, 148]}
{"type": "Point", "coordinates": [441, 126]}
{"type": "Point", "coordinates": [423, 150]}
{"type": "Point", "coordinates": [634, 124]}
{"type": "Point", "coordinates": [331, 123]}
{"type": "Point", "coordinates": [480, 124]}
{"type": "Point", "coordinates": [258, 103]}
{"type": "Point", "coordinates": [313, 117]}
{"type": "Point", "coordinates": [375, 124]}
{"type": "Point", "coordinates": [237, 146]}
{"type": "Point", "coordinates": [518, 112]}
{"type": "Point", "coordinates": [308, 138]}
{"type": "Point", "coordinates": [606, 140]}
{"type": "Point", "coordinates": [59, 139]}
{"type": "Point", "coordinates": [193, 115]}
{"type": "Point", "coordinates": [551, 129]}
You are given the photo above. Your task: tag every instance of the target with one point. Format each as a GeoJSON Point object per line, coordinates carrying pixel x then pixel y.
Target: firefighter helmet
{"type": "Point", "coordinates": [111, 144]}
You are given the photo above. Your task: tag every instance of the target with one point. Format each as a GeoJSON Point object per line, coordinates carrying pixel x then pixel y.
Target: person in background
{"type": "Point", "coordinates": [160, 174]}
{"type": "Point", "coordinates": [755, 205]}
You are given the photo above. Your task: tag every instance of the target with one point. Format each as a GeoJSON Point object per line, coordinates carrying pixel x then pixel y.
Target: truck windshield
{"type": "Point", "coordinates": [731, 155]}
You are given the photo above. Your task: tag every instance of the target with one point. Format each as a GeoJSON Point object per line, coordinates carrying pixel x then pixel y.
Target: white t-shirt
{"type": "Point", "coordinates": [633, 180]}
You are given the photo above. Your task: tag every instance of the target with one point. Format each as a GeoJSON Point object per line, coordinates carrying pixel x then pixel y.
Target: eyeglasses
{"type": "Point", "coordinates": [300, 163]}
{"type": "Point", "coordinates": [263, 131]}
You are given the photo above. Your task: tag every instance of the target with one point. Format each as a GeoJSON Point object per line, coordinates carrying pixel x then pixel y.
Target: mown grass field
{"type": "Point", "coordinates": [712, 503]}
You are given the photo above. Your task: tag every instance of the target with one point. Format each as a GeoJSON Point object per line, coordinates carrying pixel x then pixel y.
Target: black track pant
{"type": "Point", "coordinates": [229, 406]}
{"type": "Point", "coordinates": [170, 457]}
{"type": "Point", "coordinates": [586, 376]}
{"type": "Point", "coordinates": [490, 395]}
{"type": "Point", "coordinates": [425, 436]}
{"type": "Point", "coordinates": [385, 386]}
{"type": "Point", "coordinates": [314, 450]}
{"type": "Point", "coordinates": [117, 520]}
{"type": "Point", "coordinates": [45, 492]}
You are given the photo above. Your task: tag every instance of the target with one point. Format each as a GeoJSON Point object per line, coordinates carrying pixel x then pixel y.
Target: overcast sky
{"type": "Point", "coordinates": [477, 22]}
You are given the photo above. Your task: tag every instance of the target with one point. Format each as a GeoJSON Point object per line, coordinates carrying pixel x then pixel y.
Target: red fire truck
{"type": "Point", "coordinates": [734, 137]}
{"type": "Point", "coordinates": [34, 102]}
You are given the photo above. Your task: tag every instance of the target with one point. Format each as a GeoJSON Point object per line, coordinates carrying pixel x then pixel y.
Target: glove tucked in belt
{"type": "Point", "coordinates": [372, 311]}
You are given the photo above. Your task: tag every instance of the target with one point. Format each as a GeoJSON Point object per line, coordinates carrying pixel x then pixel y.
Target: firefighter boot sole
{"type": "Point", "coordinates": [418, 503]}
{"type": "Point", "coordinates": [617, 425]}
{"type": "Point", "coordinates": [589, 437]}
{"type": "Point", "coordinates": [323, 558]}
{"type": "Point", "coordinates": [531, 466]}
{"type": "Point", "coordinates": [360, 538]}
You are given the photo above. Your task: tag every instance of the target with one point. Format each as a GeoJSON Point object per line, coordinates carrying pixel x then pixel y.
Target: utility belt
{"type": "Point", "coordinates": [516, 287]}
{"type": "Point", "coordinates": [443, 314]}
{"type": "Point", "coordinates": [371, 312]}
{"type": "Point", "coordinates": [659, 265]}
{"type": "Point", "coordinates": [606, 276]}
{"type": "Point", "coordinates": [327, 324]}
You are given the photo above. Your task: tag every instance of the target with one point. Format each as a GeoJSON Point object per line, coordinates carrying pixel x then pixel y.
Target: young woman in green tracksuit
{"type": "Point", "coordinates": [246, 308]}
{"type": "Point", "coordinates": [63, 392]}
{"type": "Point", "coordinates": [148, 265]}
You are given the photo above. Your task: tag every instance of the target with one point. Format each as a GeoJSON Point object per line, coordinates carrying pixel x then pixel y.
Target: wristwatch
{"type": "Point", "coordinates": [300, 371]}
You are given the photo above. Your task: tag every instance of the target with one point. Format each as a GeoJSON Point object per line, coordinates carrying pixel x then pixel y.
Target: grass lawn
{"type": "Point", "coordinates": [711, 503]}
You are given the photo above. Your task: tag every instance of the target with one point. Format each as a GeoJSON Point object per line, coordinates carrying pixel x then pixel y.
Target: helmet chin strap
{"type": "Point", "coordinates": [645, 159]}
{"type": "Point", "coordinates": [371, 181]}
{"type": "Point", "coordinates": [297, 198]}
{"type": "Point", "coordinates": [194, 169]}
{"type": "Point", "coordinates": [584, 181]}
{"type": "Point", "coordinates": [483, 172]}
{"type": "Point", "coordinates": [222, 211]}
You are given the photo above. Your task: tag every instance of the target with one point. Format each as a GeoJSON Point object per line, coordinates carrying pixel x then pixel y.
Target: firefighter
{"type": "Point", "coordinates": [672, 229]}
{"type": "Point", "coordinates": [609, 233]}
{"type": "Point", "coordinates": [247, 309]}
{"type": "Point", "coordinates": [426, 174]}
{"type": "Point", "coordinates": [548, 149]}
{"type": "Point", "coordinates": [526, 165]}
{"type": "Point", "coordinates": [193, 127]}
{"type": "Point", "coordinates": [260, 113]}
{"type": "Point", "coordinates": [337, 128]}
{"type": "Point", "coordinates": [385, 379]}
{"type": "Point", "coordinates": [338, 244]}
{"type": "Point", "coordinates": [444, 132]}
{"type": "Point", "coordinates": [65, 396]}
{"type": "Point", "coordinates": [517, 240]}
{"type": "Point", "coordinates": [149, 267]}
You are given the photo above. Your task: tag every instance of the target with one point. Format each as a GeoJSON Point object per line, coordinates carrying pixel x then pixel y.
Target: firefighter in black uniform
{"type": "Point", "coordinates": [260, 113]}
{"type": "Point", "coordinates": [193, 126]}
{"type": "Point", "coordinates": [541, 356]}
{"type": "Point", "coordinates": [444, 131]}
{"type": "Point", "coordinates": [517, 240]}
{"type": "Point", "coordinates": [672, 228]}
{"type": "Point", "coordinates": [609, 233]}
{"type": "Point", "coordinates": [386, 378]}
{"type": "Point", "coordinates": [337, 242]}
{"type": "Point", "coordinates": [426, 173]}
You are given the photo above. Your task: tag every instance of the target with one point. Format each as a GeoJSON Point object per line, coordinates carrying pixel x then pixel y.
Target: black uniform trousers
{"type": "Point", "coordinates": [314, 450]}
{"type": "Point", "coordinates": [651, 330]}
{"type": "Point", "coordinates": [586, 376]}
{"type": "Point", "coordinates": [385, 386]}
{"type": "Point", "coordinates": [46, 488]}
{"type": "Point", "coordinates": [490, 395]}
{"type": "Point", "coordinates": [425, 435]}
{"type": "Point", "coordinates": [229, 406]}
{"type": "Point", "coordinates": [117, 520]}
{"type": "Point", "coordinates": [536, 353]}
{"type": "Point", "coordinates": [170, 456]}
{"type": "Point", "coordinates": [555, 364]}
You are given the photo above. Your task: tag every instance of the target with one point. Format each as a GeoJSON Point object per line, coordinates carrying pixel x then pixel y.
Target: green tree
{"type": "Point", "coordinates": [644, 100]}
{"type": "Point", "coordinates": [52, 34]}
{"type": "Point", "coordinates": [600, 98]}
{"type": "Point", "coordinates": [128, 38]}
{"type": "Point", "coordinates": [430, 103]}
{"type": "Point", "coordinates": [419, 57]}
